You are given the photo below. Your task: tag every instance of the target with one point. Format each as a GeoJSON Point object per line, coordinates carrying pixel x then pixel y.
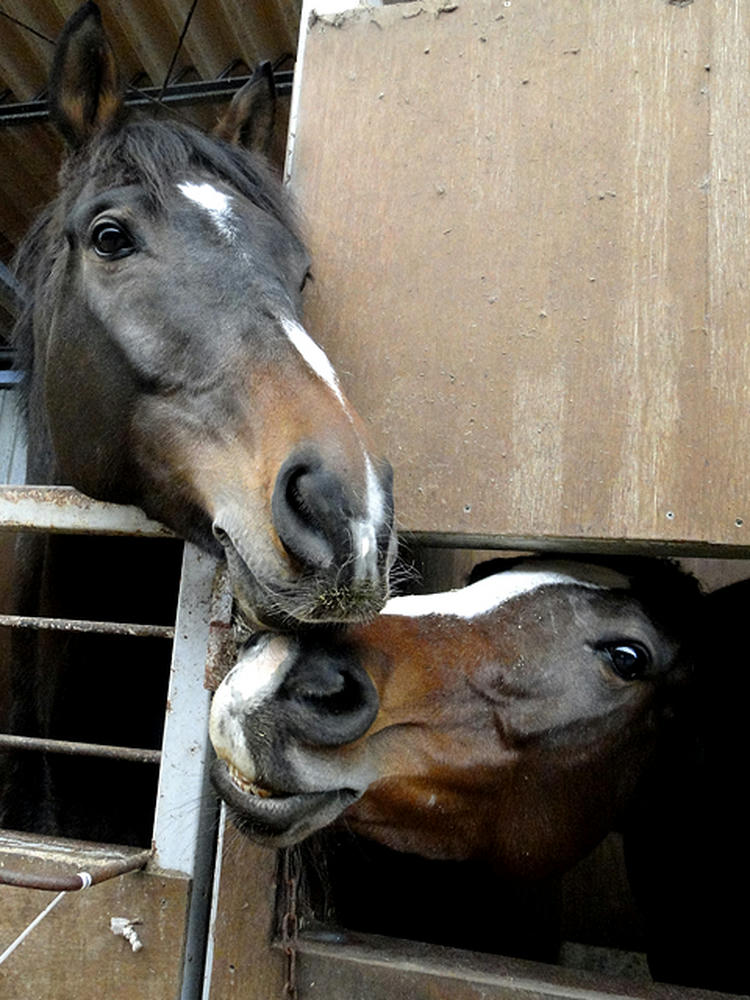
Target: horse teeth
{"type": "Point", "coordinates": [249, 787]}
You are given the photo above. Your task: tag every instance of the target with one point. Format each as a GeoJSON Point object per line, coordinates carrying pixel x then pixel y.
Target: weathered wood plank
{"type": "Point", "coordinates": [514, 217]}
{"type": "Point", "coordinates": [362, 967]}
{"type": "Point", "coordinates": [728, 307]}
{"type": "Point", "coordinates": [243, 964]}
{"type": "Point", "coordinates": [73, 954]}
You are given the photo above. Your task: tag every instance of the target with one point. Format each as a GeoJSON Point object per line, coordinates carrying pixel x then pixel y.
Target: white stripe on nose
{"type": "Point", "coordinates": [315, 356]}
{"type": "Point", "coordinates": [364, 531]}
{"type": "Point", "coordinates": [255, 678]}
{"type": "Point", "coordinates": [484, 596]}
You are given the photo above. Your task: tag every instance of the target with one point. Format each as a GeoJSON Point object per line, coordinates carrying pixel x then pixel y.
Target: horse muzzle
{"type": "Point", "coordinates": [335, 547]}
{"type": "Point", "coordinates": [275, 719]}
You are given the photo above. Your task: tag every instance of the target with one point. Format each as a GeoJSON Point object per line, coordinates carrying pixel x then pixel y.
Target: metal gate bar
{"type": "Point", "coordinates": [185, 815]}
{"type": "Point", "coordinates": [39, 744]}
{"type": "Point", "coordinates": [65, 510]}
{"type": "Point", "coordinates": [58, 509]}
{"type": "Point", "coordinates": [79, 625]}
{"type": "Point", "coordinates": [62, 509]}
{"type": "Point", "coordinates": [193, 92]}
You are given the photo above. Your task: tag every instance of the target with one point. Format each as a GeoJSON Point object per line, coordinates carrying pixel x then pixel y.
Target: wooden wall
{"type": "Point", "coordinates": [528, 228]}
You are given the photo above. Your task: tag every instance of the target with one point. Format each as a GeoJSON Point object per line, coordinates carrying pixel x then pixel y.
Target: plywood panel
{"type": "Point", "coordinates": [728, 311]}
{"type": "Point", "coordinates": [520, 261]}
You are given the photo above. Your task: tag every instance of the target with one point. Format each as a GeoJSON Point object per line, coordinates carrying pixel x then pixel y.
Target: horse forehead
{"type": "Point", "coordinates": [222, 204]}
{"type": "Point", "coordinates": [215, 203]}
{"type": "Point", "coordinates": [494, 591]}
{"type": "Point", "coordinates": [207, 195]}
{"type": "Point", "coordinates": [250, 232]}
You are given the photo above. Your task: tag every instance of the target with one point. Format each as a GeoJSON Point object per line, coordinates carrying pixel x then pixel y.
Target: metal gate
{"type": "Point", "coordinates": [167, 900]}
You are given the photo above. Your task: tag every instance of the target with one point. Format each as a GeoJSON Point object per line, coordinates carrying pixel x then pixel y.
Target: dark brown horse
{"type": "Point", "coordinates": [167, 367]}
{"type": "Point", "coordinates": [167, 364]}
{"type": "Point", "coordinates": [508, 721]}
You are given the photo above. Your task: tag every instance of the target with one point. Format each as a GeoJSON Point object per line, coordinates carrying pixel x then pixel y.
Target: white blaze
{"type": "Point", "coordinates": [365, 531]}
{"type": "Point", "coordinates": [211, 200]}
{"type": "Point", "coordinates": [314, 355]}
{"type": "Point", "coordinates": [485, 595]}
{"type": "Point", "coordinates": [251, 681]}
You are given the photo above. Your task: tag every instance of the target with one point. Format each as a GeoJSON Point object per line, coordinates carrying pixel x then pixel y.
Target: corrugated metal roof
{"type": "Point", "coordinates": [144, 34]}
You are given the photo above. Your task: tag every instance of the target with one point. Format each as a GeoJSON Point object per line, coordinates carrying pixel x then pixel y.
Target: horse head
{"type": "Point", "coordinates": [508, 721]}
{"type": "Point", "coordinates": [168, 365]}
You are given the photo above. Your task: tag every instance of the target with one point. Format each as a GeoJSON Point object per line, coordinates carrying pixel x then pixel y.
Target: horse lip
{"type": "Point", "coordinates": [279, 820]}
{"type": "Point", "coordinates": [311, 601]}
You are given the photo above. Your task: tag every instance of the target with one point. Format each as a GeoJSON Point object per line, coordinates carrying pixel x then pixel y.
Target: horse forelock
{"type": "Point", "coordinates": [154, 154]}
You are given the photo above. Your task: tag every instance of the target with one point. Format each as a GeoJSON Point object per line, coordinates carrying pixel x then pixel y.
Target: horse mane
{"type": "Point", "coordinates": [154, 153]}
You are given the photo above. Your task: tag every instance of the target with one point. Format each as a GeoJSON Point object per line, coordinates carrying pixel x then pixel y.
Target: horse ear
{"type": "Point", "coordinates": [84, 88]}
{"type": "Point", "coordinates": [249, 119]}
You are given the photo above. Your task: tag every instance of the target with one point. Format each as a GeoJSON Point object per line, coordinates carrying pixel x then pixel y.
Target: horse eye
{"type": "Point", "coordinates": [307, 277]}
{"type": "Point", "coordinates": [629, 660]}
{"type": "Point", "coordinates": [111, 240]}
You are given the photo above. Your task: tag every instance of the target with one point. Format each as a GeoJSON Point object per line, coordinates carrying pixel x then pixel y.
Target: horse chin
{"type": "Point", "coordinates": [308, 600]}
{"type": "Point", "coordinates": [278, 819]}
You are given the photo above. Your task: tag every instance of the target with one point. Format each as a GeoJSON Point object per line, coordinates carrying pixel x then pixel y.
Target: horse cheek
{"type": "Point", "coordinates": [93, 464]}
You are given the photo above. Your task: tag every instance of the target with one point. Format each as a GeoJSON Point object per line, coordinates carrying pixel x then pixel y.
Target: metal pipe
{"type": "Point", "coordinates": [80, 625]}
{"type": "Point", "coordinates": [74, 882]}
{"type": "Point", "coordinates": [39, 744]}
{"type": "Point", "coordinates": [194, 92]}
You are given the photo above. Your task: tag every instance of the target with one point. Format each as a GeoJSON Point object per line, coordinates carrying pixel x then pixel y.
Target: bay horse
{"type": "Point", "coordinates": [166, 366]}
{"type": "Point", "coordinates": [507, 721]}
{"type": "Point", "coordinates": [456, 755]}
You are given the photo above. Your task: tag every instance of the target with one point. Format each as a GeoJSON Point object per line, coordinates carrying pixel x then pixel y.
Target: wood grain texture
{"type": "Point", "coordinates": [528, 232]}
{"type": "Point", "coordinates": [728, 308]}
{"type": "Point", "coordinates": [244, 965]}
{"type": "Point", "coordinates": [73, 954]}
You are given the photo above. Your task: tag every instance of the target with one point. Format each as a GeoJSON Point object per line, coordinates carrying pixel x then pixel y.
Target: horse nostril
{"type": "Point", "coordinates": [345, 699]}
{"type": "Point", "coordinates": [308, 511]}
{"type": "Point", "coordinates": [330, 698]}
{"type": "Point", "coordinates": [296, 487]}
{"type": "Point", "coordinates": [220, 534]}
